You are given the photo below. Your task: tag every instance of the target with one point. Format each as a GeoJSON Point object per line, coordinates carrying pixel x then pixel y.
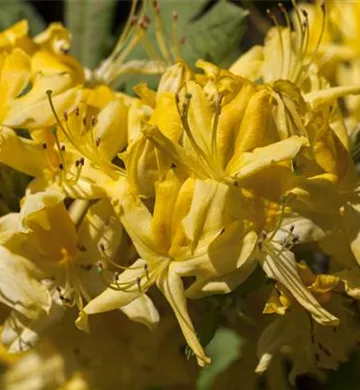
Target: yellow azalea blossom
{"type": "Point", "coordinates": [15, 36]}
{"type": "Point", "coordinates": [69, 359]}
{"type": "Point", "coordinates": [268, 238]}
{"type": "Point", "coordinates": [76, 153]}
{"type": "Point", "coordinates": [63, 261]}
{"type": "Point", "coordinates": [143, 161]}
{"type": "Point", "coordinates": [173, 242]}
{"type": "Point", "coordinates": [51, 54]}
{"type": "Point", "coordinates": [226, 142]}
{"type": "Point", "coordinates": [30, 109]}
{"type": "Point", "coordinates": [310, 346]}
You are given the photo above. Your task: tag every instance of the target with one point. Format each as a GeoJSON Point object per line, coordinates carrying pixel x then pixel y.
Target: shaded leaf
{"type": "Point", "coordinates": [211, 33]}
{"type": "Point", "coordinates": [90, 22]}
{"type": "Point", "coordinates": [11, 11]}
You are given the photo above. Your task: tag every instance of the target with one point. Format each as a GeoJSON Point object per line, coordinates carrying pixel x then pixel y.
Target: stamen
{"type": "Point", "coordinates": [215, 127]}
{"type": "Point", "coordinates": [314, 52]}
{"type": "Point", "coordinates": [278, 28]}
{"type": "Point", "coordinates": [288, 25]}
{"type": "Point", "coordinates": [138, 281]}
{"type": "Point", "coordinates": [44, 145]}
{"type": "Point", "coordinates": [184, 120]}
{"type": "Point", "coordinates": [160, 33]}
{"type": "Point", "coordinates": [146, 268]}
{"type": "Point", "coordinates": [175, 39]}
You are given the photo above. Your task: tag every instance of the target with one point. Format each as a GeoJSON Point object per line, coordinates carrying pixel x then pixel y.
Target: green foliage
{"type": "Point", "coordinates": [11, 11]}
{"type": "Point", "coordinates": [90, 23]}
{"type": "Point", "coordinates": [212, 34]}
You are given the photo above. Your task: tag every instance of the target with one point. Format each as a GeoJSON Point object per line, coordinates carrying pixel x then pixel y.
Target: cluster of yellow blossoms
{"type": "Point", "coordinates": [190, 188]}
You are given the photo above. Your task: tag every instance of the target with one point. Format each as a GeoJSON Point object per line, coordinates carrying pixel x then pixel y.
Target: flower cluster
{"type": "Point", "coordinates": [188, 189]}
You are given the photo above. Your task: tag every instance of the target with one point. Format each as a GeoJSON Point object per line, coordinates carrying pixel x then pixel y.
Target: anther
{"type": "Point", "coordinates": [97, 141]}
{"type": "Point", "coordinates": [322, 5]}
{"type": "Point", "coordinates": [304, 12]}
{"type": "Point", "coordinates": [138, 281]}
{"type": "Point", "coordinates": [291, 229]}
{"type": "Point", "coordinates": [44, 145]}
{"type": "Point", "coordinates": [281, 6]}
{"type": "Point", "coordinates": [82, 161]}
{"type": "Point", "coordinates": [116, 276]}
{"type": "Point", "coordinates": [61, 166]}
{"type": "Point", "coordinates": [146, 268]}
{"type": "Point", "coordinates": [263, 235]}
{"type": "Point", "coordinates": [317, 357]}
{"type": "Point", "coordinates": [93, 121]}
{"type": "Point", "coordinates": [81, 247]}
{"type": "Point", "coordinates": [65, 114]}
{"type": "Point", "coordinates": [84, 121]}
{"type": "Point", "coordinates": [63, 148]}
{"type": "Point", "coordinates": [86, 267]}
{"type": "Point", "coordinates": [295, 239]}
{"type": "Point", "coordinates": [49, 92]}
{"type": "Point", "coordinates": [99, 266]}
{"type": "Point", "coordinates": [77, 111]}
{"type": "Point", "coordinates": [102, 247]}
{"type": "Point", "coordinates": [175, 15]}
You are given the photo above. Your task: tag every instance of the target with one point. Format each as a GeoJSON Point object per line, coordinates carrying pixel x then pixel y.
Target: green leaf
{"type": "Point", "coordinates": [216, 35]}
{"type": "Point", "coordinates": [224, 349]}
{"type": "Point", "coordinates": [12, 11]}
{"type": "Point", "coordinates": [212, 35]}
{"type": "Point", "coordinates": [90, 23]}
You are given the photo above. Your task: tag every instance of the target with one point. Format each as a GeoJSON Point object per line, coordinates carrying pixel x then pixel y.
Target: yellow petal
{"type": "Point", "coordinates": [166, 117]}
{"type": "Point", "coordinates": [14, 77]}
{"type": "Point", "coordinates": [166, 192]}
{"type": "Point", "coordinates": [247, 164]}
{"type": "Point", "coordinates": [328, 95]}
{"type": "Point", "coordinates": [18, 287]}
{"type": "Point", "coordinates": [111, 128]}
{"type": "Point", "coordinates": [33, 110]}
{"type": "Point", "coordinates": [142, 310]}
{"type": "Point", "coordinates": [22, 154]}
{"type": "Point", "coordinates": [283, 268]}
{"type": "Point", "coordinates": [206, 217]}
{"type": "Point", "coordinates": [255, 126]}
{"type": "Point", "coordinates": [172, 287]}
{"type": "Point", "coordinates": [249, 64]}
{"type": "Point", "coordinates": [112, 299]}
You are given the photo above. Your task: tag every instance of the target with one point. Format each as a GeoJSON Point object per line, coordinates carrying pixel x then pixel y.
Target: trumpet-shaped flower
{"type": "Point", "coordinates": [61, 261]}
{"type": "Point", "coordinates": [173, 242]}
{"type": "Point", "coordinates": [310, 346]}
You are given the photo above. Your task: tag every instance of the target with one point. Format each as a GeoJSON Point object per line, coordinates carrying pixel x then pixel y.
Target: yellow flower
{"type": "Point", "coordinates": [15, 36]}
{"type": "Point", "coordinates": [173, 242]}
{"type": "Point", "coordinates": [225, 140]}
{"type": "Point", "coordinates": [309, 346]}
{"type": "Point", "coordinates": [69, 359]}
{"type": "Point", "coordinates": [61, 260]}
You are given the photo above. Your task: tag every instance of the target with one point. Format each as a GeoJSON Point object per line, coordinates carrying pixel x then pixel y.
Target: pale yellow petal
{"type": "Point", "coordinates": [172, 287]}
{"type": "Point", "coordinates": [282, 267]}
{"type": "Point", "coordinates": [142, 310]}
